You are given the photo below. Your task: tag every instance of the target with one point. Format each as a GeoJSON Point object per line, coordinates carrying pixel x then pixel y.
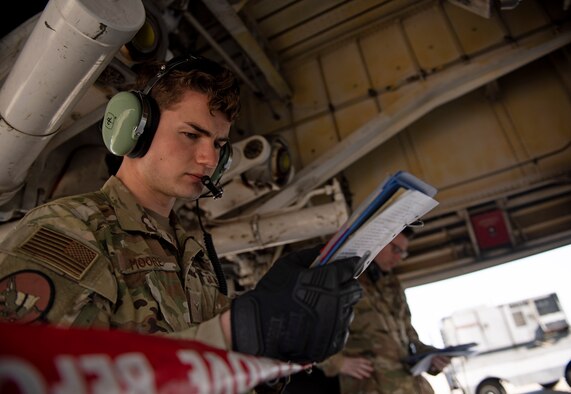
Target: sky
{"type": "Point", "coordinates": [532, 276]}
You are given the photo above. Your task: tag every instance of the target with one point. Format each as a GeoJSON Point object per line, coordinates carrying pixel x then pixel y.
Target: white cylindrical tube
{"type": "Point", "coordinates": [258, 233]}
{"type": "Point", "coordinates": [72, 42]}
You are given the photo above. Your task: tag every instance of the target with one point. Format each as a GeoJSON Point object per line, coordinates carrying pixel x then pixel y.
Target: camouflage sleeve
{"type": "Point", "coordinates": [331, 366]}
{"type": "Point", "coordinates": [209, 332]}
{"type": "Point", "coordinates": [51, 270]}
{"type": "Point", "coordinates": [420, 346]}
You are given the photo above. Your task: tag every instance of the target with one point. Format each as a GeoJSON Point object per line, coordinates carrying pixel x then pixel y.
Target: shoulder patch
{"type": "Point", "coordinates": [25, 296]}
{"type": "Point", "coordinates": [60, 252]}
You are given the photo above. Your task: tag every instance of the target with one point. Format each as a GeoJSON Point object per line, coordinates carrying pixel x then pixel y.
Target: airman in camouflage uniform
{"type": "Point", "coordinates": [381, 335]}
{"type": "Point", "coordinates": [102, 260]}
{"type": "Point", "coordinates": [118, 258]}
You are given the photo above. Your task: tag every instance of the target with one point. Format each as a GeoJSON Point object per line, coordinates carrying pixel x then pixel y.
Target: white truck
{"type": "Point", "coordinates": [519, 343]}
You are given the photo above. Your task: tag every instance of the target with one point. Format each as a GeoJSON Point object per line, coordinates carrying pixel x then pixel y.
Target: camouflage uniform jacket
{"type": "Point", "coordinates": [99, 260]}
{"type": "Point", "coordinates": [381, 331]}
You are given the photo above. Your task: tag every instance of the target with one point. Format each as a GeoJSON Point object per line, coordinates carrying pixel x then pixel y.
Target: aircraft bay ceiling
{"type": "Point", "coordinates": [472, 97]}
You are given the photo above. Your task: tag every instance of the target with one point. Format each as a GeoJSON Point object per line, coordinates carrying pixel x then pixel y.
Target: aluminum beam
{"type": "Point", "coordinates": [228, 17]}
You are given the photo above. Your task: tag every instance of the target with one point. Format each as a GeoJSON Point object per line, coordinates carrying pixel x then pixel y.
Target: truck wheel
{"type": "Point", "coordinates": [549, 385]}
{"type": "Point", "coordinates": [568, 373]}
{"type": "Point", "coordinates": [491, 386]}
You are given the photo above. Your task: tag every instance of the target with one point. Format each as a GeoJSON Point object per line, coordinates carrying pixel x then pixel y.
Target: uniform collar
{"type": "Point", "coordinates": [130, 214]}
{"type": "Point", "coordinates": [374, 272]}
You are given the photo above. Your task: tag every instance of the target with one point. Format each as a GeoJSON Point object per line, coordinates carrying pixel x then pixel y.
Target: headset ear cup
{"type": "Point", "coordinates": [224, 163]}
{"type": "Point", "coordinates": [122, 117]}
{"type": "Point", "coordinates": [151, 108]}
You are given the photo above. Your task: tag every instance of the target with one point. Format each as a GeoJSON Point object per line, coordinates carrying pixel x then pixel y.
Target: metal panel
{"type": "Point", "coordinates": [529, 16]}
{"type": "Point", "coordinates": [309, 96]}
{"type": "Point", "coordinates": [366, 174]}
{"type": "Point", "coordinates": [260, 9]}
{"type": "Point", "coordinates": [387, 57]}
{"type": "Point", "coordinates": [345, 21]}
{"type": "Point", "coordinates": [474, 32]}
{"type": "Point", "coordinates": [543, 211]}
{"type": "Point", "coordinates": [431, 41]}
{"type": "Point", "coordinates": [419, 99]}
{"type": "Point", "coordinates": [314, 138]}
{"type": "Point", "coordinates": [441, 138]}
{"type": "Point", "coordinates": [529, 95]}
{"type": "Point", "coordinates": [344, 74]}
{"type": "Point", "coordinates": [295, 14]}
{"type": "Point", "coordinates": [262, 116]}
{"type": "Point", "coordinates": [350, 118]}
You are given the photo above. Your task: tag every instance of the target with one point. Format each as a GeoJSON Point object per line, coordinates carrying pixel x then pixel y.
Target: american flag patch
{"type": "Point", "coordinates": [59, 251]}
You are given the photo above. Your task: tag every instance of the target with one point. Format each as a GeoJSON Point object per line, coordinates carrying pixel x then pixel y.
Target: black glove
{"type": "Point", "coordinates": [297, 313]}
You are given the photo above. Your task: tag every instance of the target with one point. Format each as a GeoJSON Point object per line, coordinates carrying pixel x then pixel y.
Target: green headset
{"type": "Point", "coordinates": [131, 119]}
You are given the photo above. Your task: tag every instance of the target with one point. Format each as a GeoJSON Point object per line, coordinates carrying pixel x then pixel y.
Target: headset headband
{"type": "Point", "coordinates": [165, 69]}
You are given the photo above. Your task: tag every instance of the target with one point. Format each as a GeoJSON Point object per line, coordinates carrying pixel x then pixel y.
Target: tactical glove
{"type": "Point", "coordinates": [297, 313]}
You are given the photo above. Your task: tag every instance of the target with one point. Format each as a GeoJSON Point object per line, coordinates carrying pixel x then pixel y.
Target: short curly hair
{"type": "Point", "coordinates": [198, 74]}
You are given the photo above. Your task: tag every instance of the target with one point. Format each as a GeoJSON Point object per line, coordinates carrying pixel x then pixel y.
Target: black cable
{"type": "Point", "coordinates": [212, 255]}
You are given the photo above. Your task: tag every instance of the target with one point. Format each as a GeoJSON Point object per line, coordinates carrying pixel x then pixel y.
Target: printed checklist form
{"type": "Point", "coordinates": [399, 201]}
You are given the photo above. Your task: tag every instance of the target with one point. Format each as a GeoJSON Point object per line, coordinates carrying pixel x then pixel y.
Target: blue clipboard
{"type": "Point", "coordinates": [374, 201]}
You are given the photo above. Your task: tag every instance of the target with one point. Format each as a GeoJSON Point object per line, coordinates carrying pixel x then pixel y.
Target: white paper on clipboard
{"type": "Point", "coordinates": [377, 232]}
{"type": "Point", "coordinates": [397, 202]}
